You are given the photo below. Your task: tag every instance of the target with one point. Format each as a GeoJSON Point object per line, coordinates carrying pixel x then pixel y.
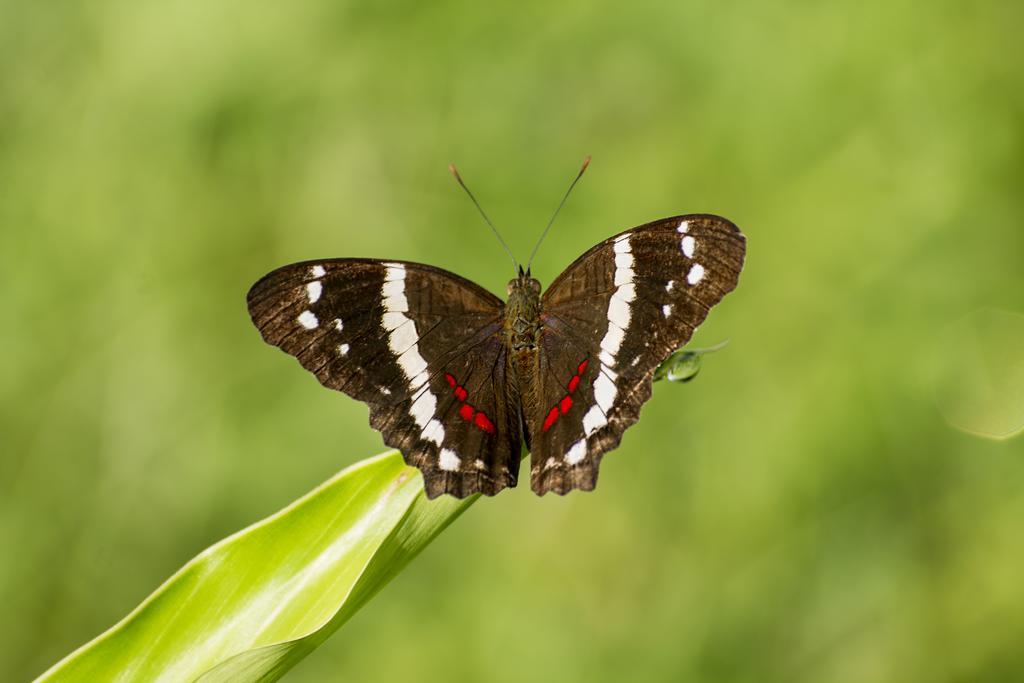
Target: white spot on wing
{"type": "Point", "coordinates": [666, 310]}
{"type": "Point", "coordinates": [422, 409]}
{"type": "Point", "coordinates": [577, 452]}
{"type": "Point", "coordinates": [317, 271]}
{"type": "Point", "coordinates": [626, 292]}
{"type": "Point", "coordinates": [394, 320]}
{"type": "Point", "coordinates": [394, 295]}
{"type": "Point", "coordinates": [417, 382]}
{"type": "Point", "coordinates": [613, 339]}
{"type": "Point", "coordinates": [434, 431]}
{"type": "Point", "coordinates": [684, 226]}
{"type": "Point", "coordinates": [308, 320]}
{"type": "Point", "coordinates": [623, 261]}
{"type": "Point", "coordinates": [593, 420]}
{"type": "Point", "coordinates": [479, 464]}
{"type": "Point", "coordinates": [689, 244]}
{"type": "Point", "coordinates": [343, 349]}
{"type": "Point", "coordinates": [604, 391]}
{"type": "Point", "coordinates": [696, 274]}
{"type": "Point", "coordinates": [618, 312]}
{"type": "Point", "coordinates": [449, 460]}
{"type": "Point", "coordinates": [670, 285]}
{"type": "Point", "coordinates": [619, 316]}
{"type": "Point", "coordinates": [313, 291]}
{"type": "Point", "coordinates": [402, 340]}
{"type": "Point", "coordinates": [338, 325]}
{"type": "Point", "coordinates": [401, 328]}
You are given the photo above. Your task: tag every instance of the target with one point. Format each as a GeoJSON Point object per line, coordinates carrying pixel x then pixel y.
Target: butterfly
{"type": "Point", "coordinates": [459, 380]}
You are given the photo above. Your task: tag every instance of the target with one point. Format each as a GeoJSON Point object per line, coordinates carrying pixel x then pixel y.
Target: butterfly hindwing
{"type": "Point", "coordinates": [422, 347]}
{"type": "Point", "coordinates": [608, 321]}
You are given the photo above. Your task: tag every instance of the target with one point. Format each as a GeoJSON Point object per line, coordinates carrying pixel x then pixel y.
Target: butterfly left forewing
{"type": "Point", "coordinates": [608, 321]}
{"type": "Point", "coordinates": [420, 346]}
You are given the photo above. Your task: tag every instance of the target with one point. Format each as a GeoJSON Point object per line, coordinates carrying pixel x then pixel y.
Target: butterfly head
{"type": "Point", "coordinates": [523, 285]}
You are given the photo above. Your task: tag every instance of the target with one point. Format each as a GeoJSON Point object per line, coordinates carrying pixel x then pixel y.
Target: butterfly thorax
{"type": "Point", "coordinates": [522, 313]}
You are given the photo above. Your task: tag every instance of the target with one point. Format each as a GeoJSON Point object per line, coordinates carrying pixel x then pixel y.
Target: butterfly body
{"type": "Point", "coordinates": [523, 329]}
{"type": "Point", "coordinates": [459, 381]}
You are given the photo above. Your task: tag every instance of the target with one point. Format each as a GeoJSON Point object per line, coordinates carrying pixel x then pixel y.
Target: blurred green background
{"type": "Point", "coordinates": [803, 511]}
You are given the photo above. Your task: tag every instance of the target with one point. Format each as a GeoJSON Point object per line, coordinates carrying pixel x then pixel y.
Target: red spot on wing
{"type": "Point", "coordinates": [550, 419]}
{"type": "Point", "coordinates": [466, 411]}
{"type": "Point", "coordinates": [483, 423]}
{"type": "Point", "coordinates": [565, 404]}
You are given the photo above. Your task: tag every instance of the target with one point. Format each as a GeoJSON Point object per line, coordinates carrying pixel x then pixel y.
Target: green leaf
{"type": "Point", "coordinates": [980, 388]}
{"type": "Point", "coordinates": [250, 607]}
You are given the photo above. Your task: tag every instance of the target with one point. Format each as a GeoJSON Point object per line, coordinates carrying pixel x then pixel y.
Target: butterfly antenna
{"type": "Point", "coordinates": [455, 172]}
{"type": "Point", "coordinates": [586, 162]}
